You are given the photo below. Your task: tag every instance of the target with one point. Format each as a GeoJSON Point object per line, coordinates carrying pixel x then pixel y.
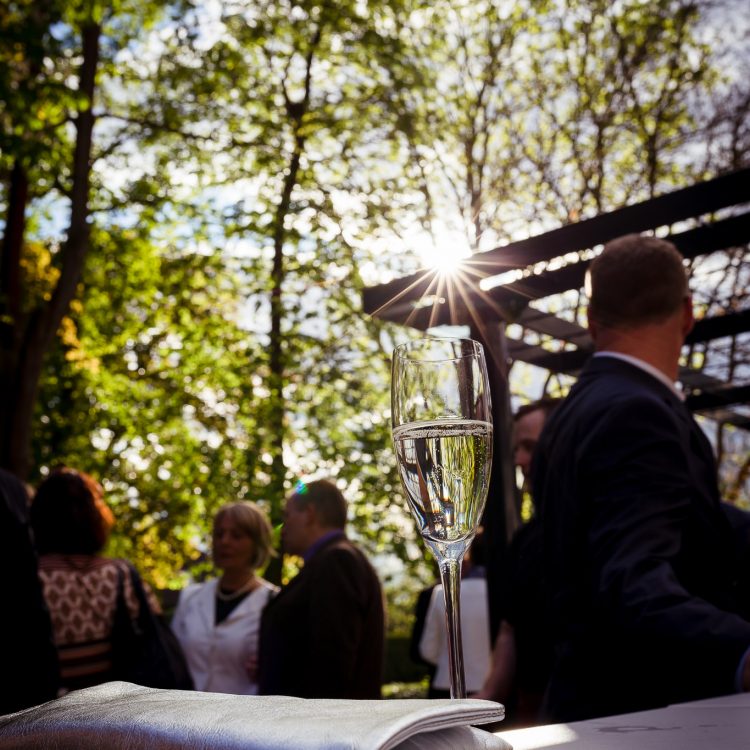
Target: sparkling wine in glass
{"type": "Point", "coordinates": [442, 433]}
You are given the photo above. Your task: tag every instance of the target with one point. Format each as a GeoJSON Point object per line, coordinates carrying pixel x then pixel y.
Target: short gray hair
{"type": "Point", "coordinates": [635, 281]}
{"type": "Point", "coordinates": [327, 499]}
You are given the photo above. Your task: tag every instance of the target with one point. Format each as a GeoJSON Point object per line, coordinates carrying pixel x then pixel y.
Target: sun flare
{"type": "Point", "coordinates": [443, 253]}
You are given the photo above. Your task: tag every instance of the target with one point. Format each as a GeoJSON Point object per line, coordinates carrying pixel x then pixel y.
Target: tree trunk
{"type": "Point", "coordinates": [11, 323]}
{"type": "Point", "coordinates": [30, 342]}
{"type": "Point", "coordinates": [296, 111]}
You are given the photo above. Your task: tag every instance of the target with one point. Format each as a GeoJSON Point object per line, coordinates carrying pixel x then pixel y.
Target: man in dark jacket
{"type": "Point", "coordinates": [522, 654]}
{"type": "Point", "coordinates": [639, 560]}
{"type": "Point", "coordinates": [322, 636]}
{"type": "Point", "coordinates": [30, 671]}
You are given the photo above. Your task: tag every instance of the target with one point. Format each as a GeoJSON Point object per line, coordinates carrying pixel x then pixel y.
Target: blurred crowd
{"type": "Point", "coordinates": [82, 618]}
{"type": "Point", "coordinates": [628, 588]}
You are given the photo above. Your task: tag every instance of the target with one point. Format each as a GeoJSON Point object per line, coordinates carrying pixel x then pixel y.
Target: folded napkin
{"type": "Point", "coordinates": [122, 716]}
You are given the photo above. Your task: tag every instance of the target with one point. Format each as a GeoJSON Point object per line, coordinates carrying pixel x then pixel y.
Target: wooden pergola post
{"type": "Point", "coordinates": [501, 516]}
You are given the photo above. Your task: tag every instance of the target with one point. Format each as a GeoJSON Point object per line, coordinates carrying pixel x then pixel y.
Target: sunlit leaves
{"type": "Point", "coordinates": [496, 118]}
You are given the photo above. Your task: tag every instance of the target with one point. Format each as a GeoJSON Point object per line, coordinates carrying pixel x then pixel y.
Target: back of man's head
{"type": "Point", "coordinates": [636, 281]}
{"type": "Point", "coordinates": [327, 500]}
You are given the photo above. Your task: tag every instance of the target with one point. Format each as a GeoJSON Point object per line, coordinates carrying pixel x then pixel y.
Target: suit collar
{"type": "Point", "coordinates": [615, 366]}
{"type": "Point", "coordinates": [313, 552]}
{"type": "Point", "coordinates": [647, 368]}
{"type": "Point", "coordinates": [327, 538]}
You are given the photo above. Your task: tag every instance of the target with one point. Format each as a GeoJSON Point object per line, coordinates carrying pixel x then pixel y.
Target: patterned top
{"type": "Point", "coordinates": [81, 593]}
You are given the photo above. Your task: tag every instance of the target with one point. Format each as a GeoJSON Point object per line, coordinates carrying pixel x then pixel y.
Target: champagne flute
{"type": "Point", "coordinates": [442, 433]}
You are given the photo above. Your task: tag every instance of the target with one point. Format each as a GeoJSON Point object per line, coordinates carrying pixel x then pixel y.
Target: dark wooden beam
{"type": "Point", "coordinates": [733, 231]}
{"type": "Point", "coordinates": [716, 399]}
{"type": "Point", "coordinates": [719, 327]}
{"type": "Point", "coordinates": [570, 361]}
{"type": "Point", "coordinates": [727, 416]}
{"type": "Point", "coordinates": [691, 202]}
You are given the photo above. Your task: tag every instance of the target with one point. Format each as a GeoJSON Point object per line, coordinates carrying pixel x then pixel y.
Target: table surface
{"type": "Point", "coordinates": [713, 724]}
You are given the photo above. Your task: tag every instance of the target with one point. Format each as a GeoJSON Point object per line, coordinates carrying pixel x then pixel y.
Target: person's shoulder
{"type": "Point", "coordinates": [738, 517]}
{"type": "Point", "coordinates": [76, 563]}
{"type": "Point", "coordinates": [50, 562]}
{"type": "Point", "coordinates": [120, 563]}
{"type": "Point", "coordinates": [437, 598]}
{"type": "Point", "coordinates": [344, 548]}
{"type": "Point", "coordinates": [335, 552]}
{"type": "Point", "coordinates": [195, 587]}
{"type": "Point", "coordinates": [474, 585]}
{"type": "Point", "coordinates": [195, 590]}
{"type": "Point", "coordinates": [268, 588]}
{"type": "Point", "coordinates": [344, 555]}
{"type": "Point", "coordinates": [619, 380]}
{"type": "Point", "coordinates": [615, 396]}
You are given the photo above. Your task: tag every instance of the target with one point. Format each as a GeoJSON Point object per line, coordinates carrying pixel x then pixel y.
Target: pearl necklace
{"type": "Point", "coordinates": [248, 586]}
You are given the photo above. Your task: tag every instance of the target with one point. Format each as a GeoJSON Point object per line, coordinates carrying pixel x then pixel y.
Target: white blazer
{"type": "Point", "coordinates": [475, 632]}
{"type": "Point", "coordinates": [216, 654]}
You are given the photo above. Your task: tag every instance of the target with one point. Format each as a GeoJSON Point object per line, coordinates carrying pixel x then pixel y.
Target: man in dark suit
{"type": "Point", "coordinates": [323, 635]}
{"type": "Point", "coordinates": [639, 561]}
{"type": "Point", "coordinates": [522, 654]}
{"type": "Point", "coordinates": [29, 673]}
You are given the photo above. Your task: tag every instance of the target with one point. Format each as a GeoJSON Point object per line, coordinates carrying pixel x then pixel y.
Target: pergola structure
{"type": "Point", "coordinates": [515, 321]}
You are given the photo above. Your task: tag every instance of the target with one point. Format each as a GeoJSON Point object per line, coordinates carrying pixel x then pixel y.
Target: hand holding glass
{"type": "Point", "coordinates": [442, 433]}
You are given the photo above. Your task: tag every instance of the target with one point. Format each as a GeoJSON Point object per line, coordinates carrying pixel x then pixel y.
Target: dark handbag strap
{"type": "Point", "coordinates": [122, 609]}
{"type": "Point", "coordinates": [144, 608]}
{"type": "Point", "coordinates": [120, 598]}
{"type": "Point", "coordinates": [167, 667]}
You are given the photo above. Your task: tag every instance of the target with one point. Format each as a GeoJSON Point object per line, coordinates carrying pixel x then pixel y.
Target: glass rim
{"type": "Point", "coordinates": [402, 350]}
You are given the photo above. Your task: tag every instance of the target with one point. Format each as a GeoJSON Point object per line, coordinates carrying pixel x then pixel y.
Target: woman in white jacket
{"type": "Point", "coordinates": [217, 622]}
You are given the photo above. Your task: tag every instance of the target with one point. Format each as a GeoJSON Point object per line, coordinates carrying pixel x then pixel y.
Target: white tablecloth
{"type": "Point", "coordinates": [714, 724]}
{"type": "Point", "coordinates": [121, 716]}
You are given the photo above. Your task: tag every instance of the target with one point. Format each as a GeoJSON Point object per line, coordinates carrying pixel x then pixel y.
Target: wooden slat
{"type": "Point", "coordinates": [719, 326]}
{"type": "Point", "coordinates": [507, 301]}
{"type": "Point", "coordinates": [733, 231]}
{"type": "Point", "coordinates": [719, 397]}
{"type": "Point", "coordinates": [694, 201]}
{"type": "Point", "coordinates": [727, 416]}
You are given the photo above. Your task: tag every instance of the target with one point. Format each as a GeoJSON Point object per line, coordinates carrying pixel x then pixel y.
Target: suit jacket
{"type": "Point", "coordinates": [322, 636]}
{"type": "Point", "coordinates": [523, 606]}
{"type": "Point", "coordinates": [639, 564]}
{"type": "Point", "coordinates": [29, 673]}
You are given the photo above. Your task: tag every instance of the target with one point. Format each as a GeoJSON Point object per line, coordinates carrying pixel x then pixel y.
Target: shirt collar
{"type": "Point", "coordinates": [322, 541]}
{"type": "Point", "coordinates": [646, 367]}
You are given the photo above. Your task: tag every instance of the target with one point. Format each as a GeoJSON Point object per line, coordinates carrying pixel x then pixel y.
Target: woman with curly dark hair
{"type": "Point", "coordinates": [71, 525]}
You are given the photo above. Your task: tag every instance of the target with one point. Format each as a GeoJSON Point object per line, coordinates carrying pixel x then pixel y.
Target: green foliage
{"type": "Point", "coordinates": [153, 382]}
{"type": "Point", "coordinates": [398, 664]}
{"type": "Point", "coordinates": [163, 385]}
{"type": "Point", "coordinates": [255, 165]}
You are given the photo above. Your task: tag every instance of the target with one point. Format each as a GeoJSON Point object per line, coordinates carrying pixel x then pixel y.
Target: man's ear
{"type": "Point", "coordinates": [593, 328]}
{"type": "Point", "coordinates": [688, 319]}
{"type": "Point", "coordinates": [311, 515]}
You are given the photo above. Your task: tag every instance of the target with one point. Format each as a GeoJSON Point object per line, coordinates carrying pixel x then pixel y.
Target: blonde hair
{"type": "Point", "coordinates": [253, 522]}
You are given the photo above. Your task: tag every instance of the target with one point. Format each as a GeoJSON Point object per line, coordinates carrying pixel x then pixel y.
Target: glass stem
{"type": "Point", "coordinates": [450, 574]}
